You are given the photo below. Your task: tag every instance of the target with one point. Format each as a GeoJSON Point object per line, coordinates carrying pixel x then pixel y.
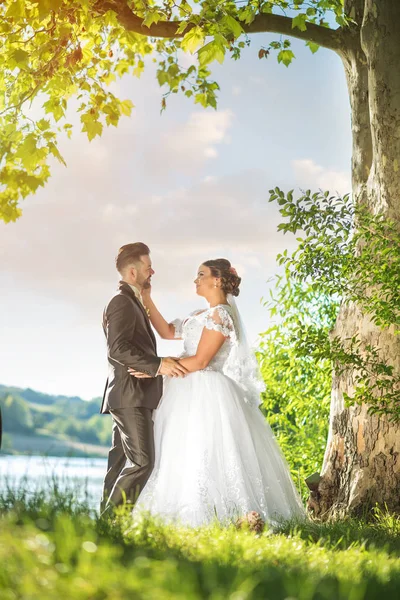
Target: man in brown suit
{"type": "Point", "coordinates": [130, 401]}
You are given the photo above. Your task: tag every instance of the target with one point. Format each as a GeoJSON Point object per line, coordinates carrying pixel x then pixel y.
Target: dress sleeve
{"type": "Point", "coordinates": [219, 319]}
{"type": "Point", "coordinates": [177, 323]}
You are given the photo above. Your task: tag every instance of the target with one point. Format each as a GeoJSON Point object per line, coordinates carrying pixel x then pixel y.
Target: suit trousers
{"type": "Point", "coordinates": [131, 457]}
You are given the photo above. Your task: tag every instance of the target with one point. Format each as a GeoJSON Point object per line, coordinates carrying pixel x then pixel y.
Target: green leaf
{"type": "Point", "coordinates": [54, 107]}
{"type": "Point", "coordinates": [192, 40]}
{"type": "Point", "coordinates": [184, 25]}
{"type": "Point", "coordinates": [43, 124]}
{"type": "Point", "coordinates": [126, 107]}
{"type": "Point", "coordinates": [185, 9]}
{"type": "Point", "coordinates": [151, 17]}
{"type": "Point", "coordinates": [108, 78]}
{"type": "Point", "coordinates": [19, 58]}
{"type": "Point", "coordinates": [232, 25]}
{"type": "Point", "coordinates": [92, 128]}
{"type": "Point", "coordinates": [162, 77]}
{"type": "Point", "coordinates": [247, 15]}
{"type": "Point", "coordinates": [55, 152]}
{"type": "Point", "coordinates": [46, 7]}
{"type": "Point", "coordinates": [201, 99]}
{"type": "Point", "coordinates": [285, 56]}
{"type": "Point", "coordinates": [87, 53]}
{"type": "Point", "coordinates": [313, 46]}
{"type": "Point", "coordinates": [210, 52]}
{"type": "Point", "coordinates": [29, 153]}
{"type": "Point", "coordinates": [299, 21]}
{"type": "Point", "coordinates": [122, 67]}
{"type": "Point", "coordinates": [16, 9]}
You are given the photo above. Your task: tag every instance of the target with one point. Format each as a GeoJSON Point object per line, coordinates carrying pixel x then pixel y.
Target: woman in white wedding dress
{"type": "Point", "coordinates": [215, 454]}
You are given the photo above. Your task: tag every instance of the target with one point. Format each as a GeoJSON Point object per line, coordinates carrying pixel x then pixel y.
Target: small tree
{"type": "Point", "coordinates": [17, 417]}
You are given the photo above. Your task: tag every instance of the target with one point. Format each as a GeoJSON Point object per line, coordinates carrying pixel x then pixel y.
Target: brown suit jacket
{"type": "Point", "coordinates": [130, 343]}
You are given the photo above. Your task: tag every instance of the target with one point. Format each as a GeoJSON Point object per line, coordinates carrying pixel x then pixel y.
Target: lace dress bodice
{"type": "Point", "coordinates": [217, 318]}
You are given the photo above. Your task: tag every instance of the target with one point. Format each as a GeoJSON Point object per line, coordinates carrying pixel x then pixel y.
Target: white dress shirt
{"type": "Point", "coordinates": [137, 293]}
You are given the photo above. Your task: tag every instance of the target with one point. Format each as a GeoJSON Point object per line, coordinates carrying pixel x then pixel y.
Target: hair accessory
{"type": "Point", "coordinates": [233, 271]}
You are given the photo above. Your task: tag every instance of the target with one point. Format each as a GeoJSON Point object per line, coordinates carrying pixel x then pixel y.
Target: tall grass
{"type": "Point", "coordinates": [56, 497]}
{"type": "Point", "coordinates": [53, 546]}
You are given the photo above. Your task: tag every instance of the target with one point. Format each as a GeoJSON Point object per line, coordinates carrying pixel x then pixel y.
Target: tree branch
{"type": "Point", "coordinates": [26, 97]}
{"type": "Point", "coordinates": [263, 23]}
{"type": "Point", "coordinates": [355, 10]}
{"type": "Point", "coordinates": [323, 36]}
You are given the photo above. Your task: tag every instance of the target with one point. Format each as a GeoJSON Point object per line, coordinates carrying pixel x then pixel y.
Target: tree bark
{"type": "Point", "coordinates": [362, 459]}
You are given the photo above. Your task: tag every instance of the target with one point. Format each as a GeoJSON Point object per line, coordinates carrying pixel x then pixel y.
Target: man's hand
{"type": "Point", "coordinates": [138, 374]}
{"type": "Point", "coordinates": [172, 368]}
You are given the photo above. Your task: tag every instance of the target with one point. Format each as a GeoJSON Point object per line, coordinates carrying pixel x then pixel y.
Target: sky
{"type": "Point", "coordinates": [192, 184]}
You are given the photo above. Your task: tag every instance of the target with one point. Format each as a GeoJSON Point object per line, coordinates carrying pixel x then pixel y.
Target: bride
{"type": "Point", "coordinates": [215, 455]}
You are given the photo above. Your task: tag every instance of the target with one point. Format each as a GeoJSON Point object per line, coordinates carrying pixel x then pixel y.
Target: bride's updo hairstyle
{"type": "Point", "coordinates": [222, 268]}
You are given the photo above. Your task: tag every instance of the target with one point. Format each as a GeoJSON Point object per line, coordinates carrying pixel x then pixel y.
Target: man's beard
{"type": "Point", "coordinates": [146, 284]}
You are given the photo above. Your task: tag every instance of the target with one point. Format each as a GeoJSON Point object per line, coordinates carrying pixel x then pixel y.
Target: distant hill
{"type": "Point", "coordinates": [37, 423]}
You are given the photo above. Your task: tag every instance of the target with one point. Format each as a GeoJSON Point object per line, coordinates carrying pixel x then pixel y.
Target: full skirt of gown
{"type": "Point", "coordinates": [215, 457]}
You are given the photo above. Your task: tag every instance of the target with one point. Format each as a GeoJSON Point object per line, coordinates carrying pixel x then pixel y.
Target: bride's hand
{"type": "Point", "coordinates": [146, 293]}
{"type": "Point", "coordinates": [138, 374]}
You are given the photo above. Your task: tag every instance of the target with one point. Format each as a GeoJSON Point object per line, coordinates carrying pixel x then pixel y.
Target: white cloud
{"type": "Point", "coordinates": [69, 245]}
{"type": "Point", "coordinates": [210, 152]}
{"type": "Point", "coordinates": [203, 127]}
{"type": "Point", "coordinates": [187, 145]}
{"type": "Point", "coordinates": [311, 175]}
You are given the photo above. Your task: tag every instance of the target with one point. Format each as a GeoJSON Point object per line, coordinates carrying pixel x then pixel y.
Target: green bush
{"type": "Point", "coordinates": [298, 386]}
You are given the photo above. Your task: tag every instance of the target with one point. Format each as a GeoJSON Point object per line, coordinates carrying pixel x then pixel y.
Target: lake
{"type": "Point", "coordinates": [82, 474]}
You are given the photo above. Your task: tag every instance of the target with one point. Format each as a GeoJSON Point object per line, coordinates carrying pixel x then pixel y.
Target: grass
{"type": "Point", "coordinates": [53, 547]}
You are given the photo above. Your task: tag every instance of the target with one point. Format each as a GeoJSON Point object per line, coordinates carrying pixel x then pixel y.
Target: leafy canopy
{"type": "Point", "coordinates": [56, 51]}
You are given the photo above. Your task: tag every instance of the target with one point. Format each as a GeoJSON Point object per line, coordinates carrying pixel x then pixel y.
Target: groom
{"type": "Point", "coordinates": [131, 343]}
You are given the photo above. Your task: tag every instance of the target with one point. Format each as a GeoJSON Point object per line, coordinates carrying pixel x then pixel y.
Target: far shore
{"type": "Point", "coordinates": [44, 445]}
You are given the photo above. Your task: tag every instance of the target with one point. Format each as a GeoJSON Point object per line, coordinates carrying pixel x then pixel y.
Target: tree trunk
{"type": "Point", "coordinates": [362, 459]}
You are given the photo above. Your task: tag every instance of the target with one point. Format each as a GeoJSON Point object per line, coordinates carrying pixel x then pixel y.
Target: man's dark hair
{"type": "Point", "coordinates": [130, 253]}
